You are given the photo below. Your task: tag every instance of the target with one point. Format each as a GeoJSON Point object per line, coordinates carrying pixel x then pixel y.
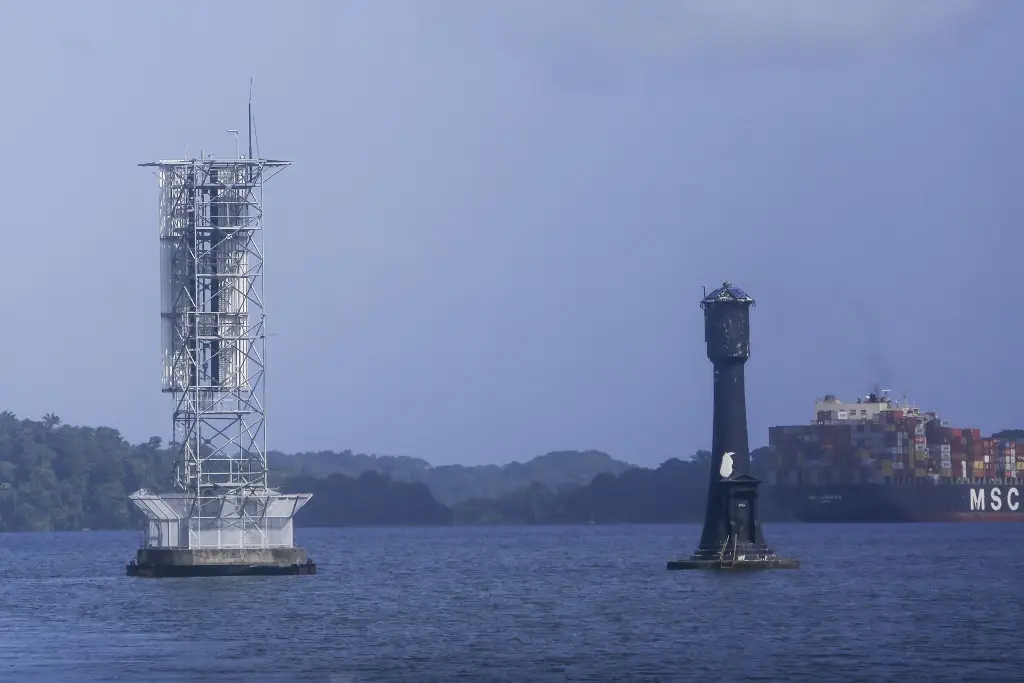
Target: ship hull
{"type": "Point", "coordinates": [900, 502]}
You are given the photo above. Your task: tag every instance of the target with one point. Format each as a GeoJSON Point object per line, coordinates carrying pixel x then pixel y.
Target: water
{"type": "Point", "coordinates": [590, 603]}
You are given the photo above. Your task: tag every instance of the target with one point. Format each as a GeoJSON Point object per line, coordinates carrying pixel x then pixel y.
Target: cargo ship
{"type": "Point", "coordinates": [879, 460]}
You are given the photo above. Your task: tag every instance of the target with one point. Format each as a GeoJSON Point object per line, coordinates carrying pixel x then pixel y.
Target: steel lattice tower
{"type": "Point", "coordinates": [213, 318]}
{"type": "Point", "coordinates": [222, 516]}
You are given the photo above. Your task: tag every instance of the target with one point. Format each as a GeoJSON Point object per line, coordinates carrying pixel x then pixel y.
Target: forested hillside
{"type": "Point", "coordinates": [676, 491]}
{"type": "Point", "coordinates": [453, 484]}
{"type": "Point", "coordinates": [371, 499]}
{"type": "Point", "coordinates": [59, 477]}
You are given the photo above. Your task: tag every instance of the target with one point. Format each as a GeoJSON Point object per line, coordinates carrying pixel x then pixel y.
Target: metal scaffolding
{"type": "Point", "coordinates": [213, 337]}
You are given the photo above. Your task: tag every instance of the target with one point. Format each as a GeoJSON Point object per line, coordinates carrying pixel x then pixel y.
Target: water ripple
{"type": "Point", "coordinates": [871, 603]}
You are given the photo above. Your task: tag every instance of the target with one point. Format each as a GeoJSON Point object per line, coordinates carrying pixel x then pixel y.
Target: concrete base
{"type": "Point", "coordinates": [725, 563]}
{"type": "Point", "coordinates": [750, 556]}
{"type": "Point", "coordinates": [181, 562]}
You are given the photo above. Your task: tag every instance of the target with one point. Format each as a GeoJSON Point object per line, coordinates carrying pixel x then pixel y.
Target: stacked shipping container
{"type": "Point", "coordinates": [963, 454]}
{"type": "Point", "coordinates": [890, 445]}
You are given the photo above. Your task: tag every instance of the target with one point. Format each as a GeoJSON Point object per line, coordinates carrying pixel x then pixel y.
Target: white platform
{"type": "Point", "coordinates": [255, 519]}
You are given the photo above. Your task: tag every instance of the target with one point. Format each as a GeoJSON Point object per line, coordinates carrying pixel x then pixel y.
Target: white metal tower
{"type": "Point", "coordinates": [214, 336]}
{"type": "Point", "coordinates": [213, 320]}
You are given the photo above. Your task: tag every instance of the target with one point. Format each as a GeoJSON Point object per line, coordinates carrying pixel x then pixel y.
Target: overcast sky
{"type": "Point", "coordinates": [494, 236]}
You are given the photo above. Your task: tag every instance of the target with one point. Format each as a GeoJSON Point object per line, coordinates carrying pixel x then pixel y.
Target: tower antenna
{"type": "Point", "coordinates": [250, 117]}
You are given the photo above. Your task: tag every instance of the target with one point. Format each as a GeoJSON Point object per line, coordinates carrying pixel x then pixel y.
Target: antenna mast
{"type": "Point", "coordinates": [250, 118]}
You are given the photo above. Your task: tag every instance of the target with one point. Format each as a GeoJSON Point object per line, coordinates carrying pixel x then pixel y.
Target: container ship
{"type": "Point", "coordinates": [876, 460]}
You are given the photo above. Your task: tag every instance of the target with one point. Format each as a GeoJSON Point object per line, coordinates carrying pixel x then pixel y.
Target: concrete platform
{"type": "Point", "coordinates": [184, 562]}
{"type": "Point", "coordinates": [727, 564]}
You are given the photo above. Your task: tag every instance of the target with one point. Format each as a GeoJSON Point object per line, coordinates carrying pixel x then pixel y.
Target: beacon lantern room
{"type": "Point", "coordinates": [727, 323]}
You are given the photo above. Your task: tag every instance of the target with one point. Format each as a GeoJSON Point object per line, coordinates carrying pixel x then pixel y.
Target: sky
{"type": "Point", "coordinates": [493, 240]}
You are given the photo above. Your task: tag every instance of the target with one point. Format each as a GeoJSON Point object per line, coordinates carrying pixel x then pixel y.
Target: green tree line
{"type": "Point", "coordinates": [57, 477]}
{"type": "Point", "coordinates": [452, 484]}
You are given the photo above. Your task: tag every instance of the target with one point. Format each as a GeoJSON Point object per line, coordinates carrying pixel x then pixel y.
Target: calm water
{"type": "Point", "coordinates": [871, 603]}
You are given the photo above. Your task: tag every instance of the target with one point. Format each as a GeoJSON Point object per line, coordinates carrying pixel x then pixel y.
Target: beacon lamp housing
{"type": "Point", "coordinates": [727, 324]}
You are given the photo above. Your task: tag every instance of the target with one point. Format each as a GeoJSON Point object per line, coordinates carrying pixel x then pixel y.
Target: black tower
{"type": "Point", "coordinates": [732, 536]}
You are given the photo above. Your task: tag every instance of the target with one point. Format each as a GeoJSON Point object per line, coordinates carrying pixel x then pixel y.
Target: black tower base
{"type": "Point", "coordinates": [159, 563]}
{"type": "Point", "coordinates": [744, 546]}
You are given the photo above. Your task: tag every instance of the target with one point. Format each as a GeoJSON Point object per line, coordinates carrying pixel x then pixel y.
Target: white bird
{"type": "Point", "coordinates": [726, 469]}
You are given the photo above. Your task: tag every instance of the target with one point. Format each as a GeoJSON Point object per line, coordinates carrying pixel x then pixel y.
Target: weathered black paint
{"type": "Point", "coordinates": [727, 337]}
{"type": "Point", "coordinates": [732, 534]}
